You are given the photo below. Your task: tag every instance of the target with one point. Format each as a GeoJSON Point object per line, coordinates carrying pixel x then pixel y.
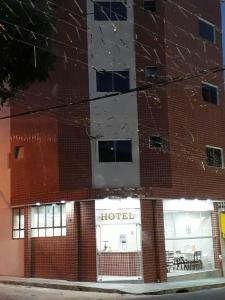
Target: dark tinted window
{"type": "Point", "coordinates": [150, 72]}
{"type": "Point", "coordinates": [104, 81]}
{"type": "Point", "coordinates": [121, 81]}
{"type": "Point", "coordinates": [115, 11]}
{"type": "Point", "coordinates": [150, 5]}
{"type": "Point", "coordinates": [123, 151]}
{"type": "Point", "coordinates": [214, 157]}
{"type": "Point", "coordinates": [118, 11]}
{"type": "Point", "coordinates": [115, 151]}
{"type": "Point", "coordinates": [209, 93]}
{"type": "Point", "coordinates": [156, 141]}
{"type": "Point", "coordinates": [106, 151]}
{"type": "Point", "coordinates": [112, 81]}
{"type": "Point", "coordinates": [206, 31]}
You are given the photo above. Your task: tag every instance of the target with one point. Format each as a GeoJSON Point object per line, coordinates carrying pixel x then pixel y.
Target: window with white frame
{"type": "Point", "coordinates": [210, 93]}
{"type": "Point", "coordinates": [206, 30]}
{"type": "Point", "coordinates": [48, 220]}
{"type": "Point", "coordinates": [214, 156]}
{"type": "Point", "coordinates": [18, 223]}
{"type": "Point", "coordinates": [110, 10]}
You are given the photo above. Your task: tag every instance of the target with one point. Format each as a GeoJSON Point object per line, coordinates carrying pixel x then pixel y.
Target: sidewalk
{"type": "Point", "coordinates": [120, 288]}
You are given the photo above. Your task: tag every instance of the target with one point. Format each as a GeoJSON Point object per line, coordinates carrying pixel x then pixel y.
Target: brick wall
{"type": "Point", "coordinates": [155, 168]}
{"type": "Point", "coordinates": [153, 243]}
{"type": "Point", "coordinates": [57, 153]}
{"type": "Point", "coordinates": [87, 241]}
{"type": "Point", "coordinates": [53, 257]}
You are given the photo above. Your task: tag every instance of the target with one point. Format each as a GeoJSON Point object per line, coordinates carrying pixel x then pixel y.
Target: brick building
{"type": "Point", "coordinates": [126, 187]}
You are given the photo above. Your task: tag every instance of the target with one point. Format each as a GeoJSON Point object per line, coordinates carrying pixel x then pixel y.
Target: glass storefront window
{"type": "Point", "coordinates": [118, 237]}
{"type": "Point", "coordinates": [18, 223]}
{"type": "Point", "coordinates": [188, 239]}
{"type": "Point", "coordinates": [48, 220]}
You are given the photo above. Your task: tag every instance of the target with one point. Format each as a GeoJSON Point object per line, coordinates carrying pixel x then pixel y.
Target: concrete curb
{"type": "Point", "coordinates": [85, 288]}
{"type": "Point", "coordinates": [63, 287]}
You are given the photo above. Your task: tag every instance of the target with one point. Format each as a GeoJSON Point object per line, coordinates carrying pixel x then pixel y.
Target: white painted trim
{"type": "Point", "coordinates": [222, 155]}
{"type": "Point", "coordinates": [215, 86]}
{"type": "Point", "coordinates": [214, 29]}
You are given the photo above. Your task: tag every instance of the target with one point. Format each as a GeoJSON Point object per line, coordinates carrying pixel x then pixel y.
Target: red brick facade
{"type": "Point", "coordinates": [57, 155]}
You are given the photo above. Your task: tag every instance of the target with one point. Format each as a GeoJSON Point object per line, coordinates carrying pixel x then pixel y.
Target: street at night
{"type": "Point", "coordinates": [11, 292]}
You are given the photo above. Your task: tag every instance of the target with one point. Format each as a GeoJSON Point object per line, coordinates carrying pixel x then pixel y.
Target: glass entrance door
{"type": "Point", "coordinates": [119, 254]}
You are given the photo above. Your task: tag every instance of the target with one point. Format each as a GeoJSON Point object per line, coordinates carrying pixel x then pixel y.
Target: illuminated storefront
{"type": "Point", "coordinates": [118, 234]}
{"type": "Point", "coordinates": [188, 236]}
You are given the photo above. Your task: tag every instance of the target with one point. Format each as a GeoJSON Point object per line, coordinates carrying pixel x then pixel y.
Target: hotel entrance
{"type": "Point", "coordinates": [118, 237]}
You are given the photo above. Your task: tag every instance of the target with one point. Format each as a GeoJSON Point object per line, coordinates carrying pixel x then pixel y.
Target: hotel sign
{"type": "Point", "coordinates": [120, 216]}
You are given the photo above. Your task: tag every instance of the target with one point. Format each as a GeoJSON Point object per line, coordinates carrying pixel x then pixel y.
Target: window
{"type": "Point", "coordinates": [112, 81]}
{"type": "Point", "coordinates": [210, 93]}
{"type": "Point", "coordinates": [48, 220]}
{"type": "Point", "coordinates": [19, 152]}
{"type": "Point", "coordinates": [115, 151]}
{"type": "Point", "coordinates": [156, 142]}
{"type": "Point", "coordinates": [150, 72]}
{"type": "Point", "coordinates": [214, 156]}
{"type": "Point", "coordinates": [18, 223]}
{"type": "Point", "coordinates": [114, 11]}
{"type": "Point", "coordinates": [150, 5]}
{"type": "Point", "coordinates": [206, 30]}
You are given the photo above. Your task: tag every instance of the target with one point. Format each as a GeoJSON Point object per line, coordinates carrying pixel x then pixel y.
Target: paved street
{"type": "Point", "coordinates": [211, 294]}
{"type": "Point", "coordinates": [11, 292]}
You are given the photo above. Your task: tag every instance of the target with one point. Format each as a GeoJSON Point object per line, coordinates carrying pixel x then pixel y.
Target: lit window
{"type": "Point", "coordinates": [149, 5]}
{"type": "Point", "coordinates": [115, 151]}
{"type": "Point", "coordinates": [214, 156]}
{"type": "Point", "coordinates": [18, 152]}
{"type": "Point", "coordinates": [151, 72]}
{"type": "Point", "coordinates": [206, 30]}
{"type": "Point", "coordinates": [114, 11]}
{"type": "Point", "coordinates": [18, 223]}
{"type": "Point", "coordinates": [156, 142]}
{"type": "Point", "coordinates": [112, 81]}
{"type": "Point", "coordinates": [48, 220]}
{"type": "Point", "coordinates": [210, 93]}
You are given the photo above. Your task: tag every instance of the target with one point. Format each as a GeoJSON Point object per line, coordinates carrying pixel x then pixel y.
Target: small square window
{"type": "Point", "coordinates": [18, 223]}
{"type": "Point", "coordinates": [18, 152]}
{"type": "Point", "coordinates": [210, 93]}
{"type": "Point", "coordinates": [214, 156]}
{"type": "Point", "coordinates": [114, 11]}
{"type": "Point", "coordinates": [149, 5]}
{"type": "Point", "coordinates": [115, 151]}
{"type": "Point", "coordinates": [156, 142]}
{"type": "Point", "coordinates": [206, 30]}
{"type": "Point", "coordinates": [151, 72]}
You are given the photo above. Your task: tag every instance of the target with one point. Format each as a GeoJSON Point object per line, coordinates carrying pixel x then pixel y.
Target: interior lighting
{"type": "Point", "coordinates": [62, 201]}
{"type": "Point", "coordinates": [38, 203]}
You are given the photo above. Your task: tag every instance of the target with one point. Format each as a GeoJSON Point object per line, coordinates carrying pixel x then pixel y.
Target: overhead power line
{"type": "Point", "coordinates": [137, 89]}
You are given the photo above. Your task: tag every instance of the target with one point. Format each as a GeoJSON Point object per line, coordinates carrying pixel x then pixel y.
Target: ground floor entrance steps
{"type": "Point", "coordinates": [135, 289]}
